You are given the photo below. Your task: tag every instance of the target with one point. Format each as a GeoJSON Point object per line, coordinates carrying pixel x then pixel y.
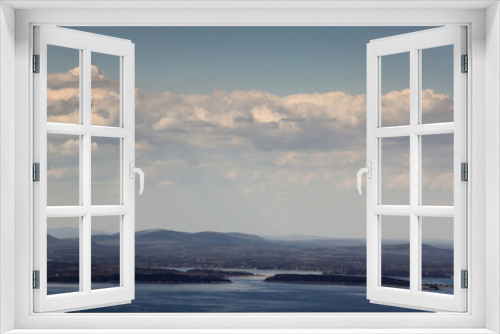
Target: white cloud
{"type": "Point", "coordinates": [436, 107]}
{"type": "Point", "coordinates": [63, 97]}
{"type": "Point", "coordinates": [61, 173]}
{"type": "Point", "coordinates": [164, 123]}
{"type": "Point", "coordinates": [397, 181]}
{"type": "Point", "coordinates": [262, 114]}
{"type": "Point", "coordinates": [268, 142]}
{"type": "Point", "coordinates": [70, 147]}
{"type": "Point", "coordinates": [350, 183]}
{"type": "Point", "coordinates": [166, 183]}
{"type": "Point", "coordinates": [443, 180]}
{"type": "Point", "coordinates": [233, 174]}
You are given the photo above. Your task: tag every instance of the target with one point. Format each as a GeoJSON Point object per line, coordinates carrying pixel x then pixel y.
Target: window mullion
{"type": "Point", "coordinates": [414, 170]}
{"type": "Point", "coordinates": [81, 175]}
{"type": "Point", "coordinates": [86, 165]}
{"type": "Point", "coordinates": [122, 180]}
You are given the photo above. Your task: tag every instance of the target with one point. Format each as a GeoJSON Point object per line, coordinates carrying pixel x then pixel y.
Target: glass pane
{"type": "Point", "coordinates": [437, 255]}
{"type": "Point", "coordinates": [63, 255]}
{"type": "Point", "coordinates": [105, 250]}
{"type": "Point", "coordinates": [395, 168]}
{"type": "Point", "coordinates": [105, 171]}
{"type": "Point", "coordinates": [63, 176]}
{"type": "Point", "coordinates": [105, 90]}
{"type": "Point", "coordinates": [437, 169]}
{"type": "Point", "coordinates": [395, 89]}
{"type": "Point", "coordinates": [63, 85]}
{"type": "Point", "coordinates": [395, 252]}
{"type": "Point", "coordinates": [437, 84]}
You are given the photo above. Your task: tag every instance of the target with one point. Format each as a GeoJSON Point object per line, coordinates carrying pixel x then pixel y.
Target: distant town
{"type": "Point", "coordinates": [165, 256]}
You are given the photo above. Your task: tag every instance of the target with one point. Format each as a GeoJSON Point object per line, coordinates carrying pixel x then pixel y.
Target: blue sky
{"type": "Point", "coordinates": [279, 60]}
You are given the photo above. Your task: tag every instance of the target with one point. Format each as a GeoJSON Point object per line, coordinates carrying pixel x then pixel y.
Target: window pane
{"type": "Point", "coordinates": [105, 90]}
{"type": "Point", "coordinates": [63, 255]}
{"type": "Point", "coordinates": [395, 252]}
{"type": "Point", "coordinates": [105, 252]}
{"type": "Point", "coordinates": [437, 255]}
{"type": "Point", "coordinates": [395, 168]}
{"type": "Point", "coordinates": [395, 90]}
{"type": "Point", "coordinates": [63, 176]}
{"type": "Point", "coordinates": [437, 169]}
{"type": "Point", "coordinates": [63, 85]}
{"type": "Point", "coordinates": [437, 84]}
{"type": "Point", "coordinates": [105, 171]}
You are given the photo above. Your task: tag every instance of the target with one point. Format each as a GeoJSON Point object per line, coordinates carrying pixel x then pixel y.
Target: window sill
{"type": "Point", "coordinates": [250, 331]}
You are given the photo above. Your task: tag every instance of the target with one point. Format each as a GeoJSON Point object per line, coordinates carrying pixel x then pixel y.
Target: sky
{"type": "Point", "coordinates": [252, 129]}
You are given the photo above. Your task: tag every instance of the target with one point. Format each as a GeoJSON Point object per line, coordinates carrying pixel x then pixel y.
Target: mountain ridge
{"type": "Point", "coordinates": [211, 250]}
{"type": "Point", "coordinates": [161, 235]}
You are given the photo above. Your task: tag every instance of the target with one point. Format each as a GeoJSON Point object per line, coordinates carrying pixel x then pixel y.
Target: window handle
{"type": "Point", "coordinates": [135, 170]}
{"type": "Point", "coordinates": [368, 171]}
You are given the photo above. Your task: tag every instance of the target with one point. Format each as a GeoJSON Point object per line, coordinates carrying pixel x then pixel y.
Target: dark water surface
{"type": "Point", "coordinates": [245, 294]}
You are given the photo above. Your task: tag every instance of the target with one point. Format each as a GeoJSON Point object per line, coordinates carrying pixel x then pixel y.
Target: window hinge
{"type": "Point", "coordinates": [465, 64]}
{"type": "Point", "coordinates": [36, 172]}
{"type": "Point", "coordinates": [36, 279]}
{"type": "Point", "coordinates": [464, 171]}
{"type": "Point", "coordinates": [36, 63]}
{"type": "Point", "coordinates": [465, 279]}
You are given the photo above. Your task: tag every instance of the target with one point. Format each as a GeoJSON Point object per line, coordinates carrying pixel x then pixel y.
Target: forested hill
{"type": "Point", "coordinates": [173, 249]}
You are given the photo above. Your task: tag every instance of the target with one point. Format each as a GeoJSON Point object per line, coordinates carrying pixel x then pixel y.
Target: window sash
{"type": "Point", "coordinates": [86, 43]}
{"type": "Point", "coordinates": [413, 43]}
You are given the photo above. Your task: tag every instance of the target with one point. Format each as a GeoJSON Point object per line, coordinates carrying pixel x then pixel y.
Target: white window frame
{"type": "Point", "coordinates": [414, 43]}
{"type": "Point", "coordinates": [85, 44]}
{"type": "Point", "coordinates": [482, 18]}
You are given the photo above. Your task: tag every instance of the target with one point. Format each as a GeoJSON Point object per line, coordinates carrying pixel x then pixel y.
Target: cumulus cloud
{"type": "Point", "coordinates": [257, 140]}
{"type": "Point", "coordinates": [166, 183]}
{"type": "Point", "coordinates": [294, 141]}
{"type": "Point", "coordinates": [301, 122]}
{"type": "Point", "coordinates": [435, 107]}
{"type": "Point", "coordinates": [61, 173]}
{"type": "Point", "coordinates": [350, 183]}
{"type": "Point", "coordinates": [443, 180]}
{"type": "Point", "coordinates": [233, 174]}
{"type": "Point", "coordinates": [63, 97]}
{"type": "Point", "coordinates": [70, 147]}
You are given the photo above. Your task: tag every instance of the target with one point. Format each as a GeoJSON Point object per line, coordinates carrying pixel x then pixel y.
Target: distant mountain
{"type": "Point", "coordinates": [172, 249]}
{"type": "Point", "coordinates": [209, 239]}
{"type": "Point", "coordinates": [438, 243]}
{"type": "Point", "coordinates": [241, 240]}
{"type": "Point", "coordinates": [71, 232]}
{"type": "Point", "coordinates": [198, 240]}
{"type": "Point", "coordinates": [62, 244]}
{"type": "Point", "coordinates": [295, 236]}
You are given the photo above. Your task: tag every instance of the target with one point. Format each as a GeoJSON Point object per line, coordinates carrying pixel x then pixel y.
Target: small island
{"type": "Point", "coordinates": [177, 276]}
{"type": "Point", "coordinates": [317, 279]}
{"type": "Point", "coordinates": [152, 276]}
{"type": "Point", "coordinates": [220, 272]}
{"type": "Point", "coordinates": [347, 280]}
{"type": "Point", "coordinates": [333, 279]}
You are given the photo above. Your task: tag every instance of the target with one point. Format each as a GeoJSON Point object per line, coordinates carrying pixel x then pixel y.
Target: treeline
{"type": "Point", "coordinates": [152, 276]}
{"type": "Point", "coordinates": [333, 279]}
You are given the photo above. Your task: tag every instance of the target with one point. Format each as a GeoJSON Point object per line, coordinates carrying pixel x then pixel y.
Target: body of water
{"type": "Point", "coordinates": [446, 284]}
{"type": "Point", "coordinates": [245, 294]}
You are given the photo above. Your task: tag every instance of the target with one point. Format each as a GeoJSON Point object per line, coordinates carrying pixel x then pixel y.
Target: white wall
{"type": "Point", "coordinates": [492, 163]}
{"type": "Point", "coordinates": [7, 160]}
{"type": "Point", "coordinates": [220, 17]}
